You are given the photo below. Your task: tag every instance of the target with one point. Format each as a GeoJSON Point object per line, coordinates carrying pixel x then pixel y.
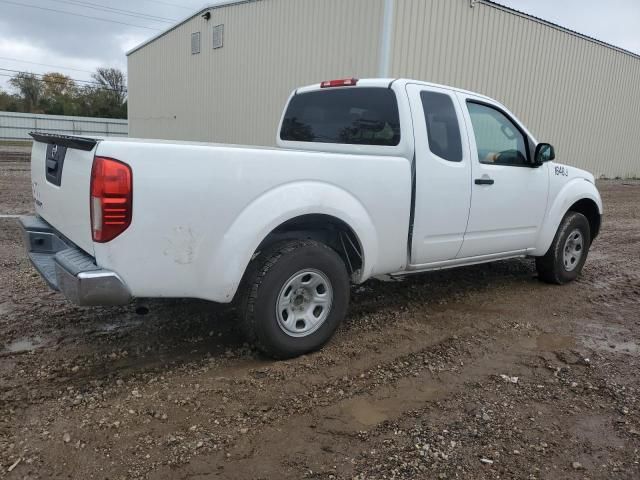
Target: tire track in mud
{"type": "Point", "coordinates": [235, 386]}
{"type": "Point", "coordinates": [535, 429]}
{"type": "Point", "coordinates": [247, 395]}
{"type": "Point", "coordinates": [251, 406]}
{"type": "Point", "coordinates": [316, 394]}
{"type": "Point", "coordinates": [363, 333]}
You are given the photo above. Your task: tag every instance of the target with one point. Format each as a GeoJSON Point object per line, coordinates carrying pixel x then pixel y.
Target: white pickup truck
{"type": "Point", "coordinates": [371, 177]}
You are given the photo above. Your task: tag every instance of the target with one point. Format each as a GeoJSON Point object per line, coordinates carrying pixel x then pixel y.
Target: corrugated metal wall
{"type": "Point", "coordinates": [16, 126]}
{"type": "Point", "coordinates": [236, 94]}
{"type": "Point", "coordinates": [579, 95]}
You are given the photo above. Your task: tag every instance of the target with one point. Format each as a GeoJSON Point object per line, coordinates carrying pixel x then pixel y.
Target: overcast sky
{"type": "Point", "coordinates": [81, 44]}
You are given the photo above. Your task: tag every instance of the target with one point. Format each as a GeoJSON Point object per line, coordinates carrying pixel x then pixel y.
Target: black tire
{"type": "Point", "coordinates": [551, 268]}
{"type": "Point", "coordinates": [264, 282]}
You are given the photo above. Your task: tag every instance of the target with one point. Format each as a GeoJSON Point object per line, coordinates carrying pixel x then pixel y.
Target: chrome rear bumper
{"type": "Point", "coordinates": [68, 269]}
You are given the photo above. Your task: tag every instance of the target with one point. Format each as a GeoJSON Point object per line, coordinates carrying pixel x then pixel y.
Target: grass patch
{"type": "Point", "coordinates": [15, 143]}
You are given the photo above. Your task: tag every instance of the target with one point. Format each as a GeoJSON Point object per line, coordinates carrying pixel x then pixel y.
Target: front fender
{"type": "Point", "coordinates": [574, 191]}
{"type": "Point", "coordinates": [264, 214]}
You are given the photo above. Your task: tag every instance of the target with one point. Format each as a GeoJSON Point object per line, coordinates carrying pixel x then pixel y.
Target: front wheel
{"type": "Point", "coordinates": [295, 295]}
{"type": "Point", "coordinates": [568, 253]}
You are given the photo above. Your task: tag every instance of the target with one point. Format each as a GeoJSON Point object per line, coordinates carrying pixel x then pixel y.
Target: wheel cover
{"type": "Point", "coordinates": [304, 303]}
{"type": "Point", "coordinates": [573, 250]}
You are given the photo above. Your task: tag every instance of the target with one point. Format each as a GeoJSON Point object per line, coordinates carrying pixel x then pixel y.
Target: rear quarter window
{"type": "Point", "coordinates": [443, 129]}
{"type": "Point", "coordinates": [353, 116]}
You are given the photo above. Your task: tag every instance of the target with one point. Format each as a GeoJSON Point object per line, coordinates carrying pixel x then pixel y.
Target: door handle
{"type": "Point", "coordinates": [484, 181]}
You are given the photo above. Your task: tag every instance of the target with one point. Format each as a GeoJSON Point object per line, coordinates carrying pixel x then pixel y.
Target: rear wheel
{"type": "Point", "coordinates": [295, 295]}
{"type": "Point", "coordinates": [568, 253]}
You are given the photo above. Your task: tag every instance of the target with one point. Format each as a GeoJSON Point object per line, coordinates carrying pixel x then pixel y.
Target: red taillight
{"type": "Point", "coordinates": [345, 82]}
{"type": "Point", "coordinates": [111, 198]}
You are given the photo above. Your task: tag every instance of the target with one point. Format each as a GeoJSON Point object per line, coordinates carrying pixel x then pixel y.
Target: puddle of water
{"type": "Point", "coordinates": [551, 342]}
{"type": "Point", "coordinates": [368, 412]}
{"type": "Point", "coordinates": [25, 345]}
{"type": "Point", "coordinates": [365, 412]}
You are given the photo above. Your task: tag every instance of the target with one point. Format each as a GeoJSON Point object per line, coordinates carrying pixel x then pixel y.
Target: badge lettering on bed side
{"type": "Point", "coordinates": [36, 194]}
{"type": "Point", "coordinates": [562, 171]}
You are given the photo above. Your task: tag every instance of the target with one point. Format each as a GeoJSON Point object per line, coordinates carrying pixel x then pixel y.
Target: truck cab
{"type": "Point", "coordinates": [482, 186]}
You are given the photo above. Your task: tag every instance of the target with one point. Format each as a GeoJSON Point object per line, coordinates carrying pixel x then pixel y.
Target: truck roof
{"type": "Point", "coordinates": [387, 82]}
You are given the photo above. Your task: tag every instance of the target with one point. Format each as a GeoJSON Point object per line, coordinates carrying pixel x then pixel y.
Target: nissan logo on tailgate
{"type": "Point", "coordinates": [54, 163]}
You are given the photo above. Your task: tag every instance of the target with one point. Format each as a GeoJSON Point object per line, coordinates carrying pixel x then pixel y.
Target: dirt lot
{"type": "Point", "coordinates": [15, 189]}
{"type": "Point", "coordinates": [411, 386]}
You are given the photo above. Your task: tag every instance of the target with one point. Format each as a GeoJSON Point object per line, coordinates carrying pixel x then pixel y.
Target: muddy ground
{"type": "Point", "coordinates": [411, 387]}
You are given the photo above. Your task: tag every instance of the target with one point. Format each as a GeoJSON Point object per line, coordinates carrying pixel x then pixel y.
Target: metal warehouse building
{"type": "Point", "coordinates": [225, 73]}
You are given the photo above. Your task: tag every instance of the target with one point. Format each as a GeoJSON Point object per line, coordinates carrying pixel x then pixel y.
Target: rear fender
{"type": "Point", "coordinates": [224, 271]}
{"type": "Point", "coordinates": [574, 191]}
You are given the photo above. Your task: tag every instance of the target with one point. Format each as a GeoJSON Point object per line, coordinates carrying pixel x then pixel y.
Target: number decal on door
{"type": "Point", "coordinates": [562, 171]}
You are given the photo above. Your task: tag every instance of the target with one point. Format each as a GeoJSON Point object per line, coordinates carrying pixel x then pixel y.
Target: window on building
{"type": "Point", "coordinates": [354, 116]}
{"type": "Point", "coordinates": [443, 129]}
{"type": "Point", "coordinates": [218, 36]}
{"type": "Point", "coordinates": [498, 138]}
{"type": "Point", "coordinates": [195, 43]}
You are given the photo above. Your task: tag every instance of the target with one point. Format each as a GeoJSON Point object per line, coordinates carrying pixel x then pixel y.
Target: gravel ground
{"type": "Point", "coordinates": [480, 372]}
{"type": "Point", "coordinates": [15, 184]}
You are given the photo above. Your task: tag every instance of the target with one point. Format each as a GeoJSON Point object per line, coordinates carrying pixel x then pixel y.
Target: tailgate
{"type": "Point", "coordinates": [60, 178]}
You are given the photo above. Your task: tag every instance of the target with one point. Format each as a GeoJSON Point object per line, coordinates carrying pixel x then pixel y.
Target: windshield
{"type": "Point", "coordinates": [355, 116]}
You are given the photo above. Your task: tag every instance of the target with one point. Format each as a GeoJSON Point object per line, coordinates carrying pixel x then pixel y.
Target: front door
{"type": "Point", "coordinates": [442, 175]}
{"type": "Point", "coordinates": [509, 196]}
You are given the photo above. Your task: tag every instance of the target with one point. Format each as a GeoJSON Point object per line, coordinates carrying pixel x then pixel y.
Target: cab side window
{"type": "Point", "coordinates": [443, 129]}
{"type": "Point", "coordinates": [499, 140]}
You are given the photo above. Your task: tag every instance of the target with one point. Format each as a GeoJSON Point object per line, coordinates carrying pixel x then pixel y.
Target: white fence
{"type": "Point", "coordinates": [16, 126]}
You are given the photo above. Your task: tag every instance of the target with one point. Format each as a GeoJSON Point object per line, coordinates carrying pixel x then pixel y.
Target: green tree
{"type": "Point", "coordinates": [8, 102]}
{"type": "Point", "coordinates": [29, 89]}
{"type": "Point", "coordinates": [59, 94]}
{"type": "Point", "coordinates": [57, 84]}
{"type": "Point", "coordinates": [108, 98]}
{"type": "Point", "coordinates": [115, 81]}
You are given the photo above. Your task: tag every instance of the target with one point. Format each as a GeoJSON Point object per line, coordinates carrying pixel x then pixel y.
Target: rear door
{"type": "Point", "coordinates": [442, 175]}
{"type": "Point", "coordinates": [61, 176]}
{"type": "Point", "coordinates": [509, 195]}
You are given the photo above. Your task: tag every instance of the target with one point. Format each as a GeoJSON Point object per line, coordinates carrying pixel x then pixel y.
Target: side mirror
{"type": "Point", "coordinates": [544, 153]}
